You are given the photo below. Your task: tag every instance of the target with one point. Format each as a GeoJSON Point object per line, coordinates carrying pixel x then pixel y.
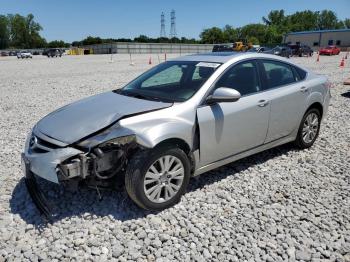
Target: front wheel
{"type": "Point", "coordinates": [157, 179]}
{"type": "Point", "coordinates": [309, 129]}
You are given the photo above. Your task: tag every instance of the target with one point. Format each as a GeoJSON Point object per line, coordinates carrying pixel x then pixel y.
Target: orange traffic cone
{"type": "Point", "coordinates": [342, 63]}
{"type": "Point", "coordinates": [318, 57]}
{"type": "Point", "coordinates": [150, 61]}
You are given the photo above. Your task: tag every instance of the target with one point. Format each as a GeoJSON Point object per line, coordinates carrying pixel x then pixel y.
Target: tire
{"type": "Point", "coordinates": [307, 142]}
{"type": "Point", "coordinates": [135, 177]}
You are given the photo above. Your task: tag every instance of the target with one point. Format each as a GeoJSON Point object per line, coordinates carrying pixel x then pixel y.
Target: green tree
{"type": "Point", "coordinates": [4, 32]}
{"type": "Point", "coordinates": [257, 31]}
{"type": "Point", "coordinates": [303, 21]}
{"type": "Point", "coordinates": [25, 32]}
{"type": "Point", "coordinates": [327, 20]}
{"type": "Point", "coordinates": [212, 35]}
{"type": "Point", "coordinates": [142, 39]}
{"type": "Point", "coordinates": [230, 34]}
{"type": "Point", "coordinates": [275, 17]}
{"type": "Point", "coordinates": [347, 23]}
{"type": "Point", "coordinates": [57, 43]}
{"type": "Point", "coordinates": [253, 40]}
{"type": "Point", "coordinates": [90, 40]}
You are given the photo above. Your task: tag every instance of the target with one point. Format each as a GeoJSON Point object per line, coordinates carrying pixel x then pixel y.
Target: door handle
{"type": "Point", "coordinates": [263, 103]}
{"type": "Point", "coordinates": [304, 89]}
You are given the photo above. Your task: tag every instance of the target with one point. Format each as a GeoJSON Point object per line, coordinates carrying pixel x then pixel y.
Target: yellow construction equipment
{"type": "Point", "coordinates": [242, 46]}
{"type": "Point", "coordinates": [79, 51]}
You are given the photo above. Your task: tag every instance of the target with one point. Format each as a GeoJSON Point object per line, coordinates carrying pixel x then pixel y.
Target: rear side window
{"type": "Point", "coordinates": [300, 73]}
{"type": "Point", "coordinates": [277, 74]}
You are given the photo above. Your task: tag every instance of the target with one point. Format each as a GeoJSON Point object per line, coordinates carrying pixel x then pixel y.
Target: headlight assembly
{"type": "Point", "coordinates": [119, 141]}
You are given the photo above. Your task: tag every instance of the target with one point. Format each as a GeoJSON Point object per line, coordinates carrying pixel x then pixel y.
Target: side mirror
{"type": "Point", "coordinates": [223, 94]}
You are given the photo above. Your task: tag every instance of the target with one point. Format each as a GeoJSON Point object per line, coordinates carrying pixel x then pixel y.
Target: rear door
{"type": "Point", "coordinates": [287, 97]}
{"type": "Point", "coordinates": [229, 128]}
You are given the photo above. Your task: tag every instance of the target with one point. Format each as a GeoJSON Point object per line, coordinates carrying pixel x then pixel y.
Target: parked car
{"type": "Point", "coordinates": [24, 54]}
{"type": "Point", "coordinates": [301, 50]}
{"type": "Point", "coordinates": [53, 52]}
{"type": "Point", "coordinates": [259, 49]}
{"type": "Point", "coordinates": [283, 51]}
{"type": "Point", "coordinates": [223, 48]}
{"type": "Point", "coordinates": [180, 119]}
{"type": "Point", "coordinates": [305, 50]}
{"type": "Point", "coordinates": [330, 50]}
{"type": "Point", "coordinates": [12, 53]}
{"type": "Point", "coordinates": [4, 53]}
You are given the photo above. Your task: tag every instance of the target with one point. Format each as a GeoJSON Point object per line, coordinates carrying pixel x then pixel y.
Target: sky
{"type": "Point", "coordinates": [71, 20]}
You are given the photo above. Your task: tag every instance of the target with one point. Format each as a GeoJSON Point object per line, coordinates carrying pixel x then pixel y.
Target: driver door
{"type": "Point", "coordinates": [229, 128]}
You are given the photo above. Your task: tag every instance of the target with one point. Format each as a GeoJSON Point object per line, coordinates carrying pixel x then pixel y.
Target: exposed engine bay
{"type": "Point", "coordinates": [97, 166]}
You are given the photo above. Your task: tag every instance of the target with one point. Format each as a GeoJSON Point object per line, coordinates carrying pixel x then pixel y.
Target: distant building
{"type": "Point", "coordinates": [320, 38]}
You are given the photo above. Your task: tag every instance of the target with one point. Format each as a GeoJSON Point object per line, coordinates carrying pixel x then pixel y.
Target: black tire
{"type": "Point", "coordinates": [299, 141]}
{"type": "Point", "coordinates": [136, 171]}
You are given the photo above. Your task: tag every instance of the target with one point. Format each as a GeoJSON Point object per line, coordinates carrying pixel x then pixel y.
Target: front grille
{"type": "Point", "coordinates": [38, 145]}
{"type": "Point", "coordinates": [47, 144]}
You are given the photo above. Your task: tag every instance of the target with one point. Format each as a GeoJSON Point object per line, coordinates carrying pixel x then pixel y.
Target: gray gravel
{"type": "Point", "coordinates": [279, 205]}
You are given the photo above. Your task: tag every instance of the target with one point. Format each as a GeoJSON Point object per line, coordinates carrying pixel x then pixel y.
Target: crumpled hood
{"type": "Point", "coordinates": [89, 115]}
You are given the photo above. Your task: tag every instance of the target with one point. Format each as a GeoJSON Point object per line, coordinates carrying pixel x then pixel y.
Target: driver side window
{"type": "Point", "coordinates": [242, 77]}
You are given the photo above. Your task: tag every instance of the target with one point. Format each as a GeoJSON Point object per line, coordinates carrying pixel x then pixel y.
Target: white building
{"type": "Point", "coordinates": [320, 38]}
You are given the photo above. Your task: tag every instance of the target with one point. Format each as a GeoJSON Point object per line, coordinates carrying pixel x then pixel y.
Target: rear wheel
{"type": "Point", "coordinates": [157, 179]}
{"type": "Point", "coordinates": [309, 129]}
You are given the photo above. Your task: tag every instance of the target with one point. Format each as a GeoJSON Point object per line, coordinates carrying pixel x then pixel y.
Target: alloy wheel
{"type": "Point", "coordinates": [310, 128]}
{"type": "Point", "coordinates": [163, 179]}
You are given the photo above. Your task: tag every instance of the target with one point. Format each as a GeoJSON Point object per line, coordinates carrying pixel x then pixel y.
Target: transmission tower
{"type": "Point", "coordinates": [162, 25]}
{"type": "Point", "coordinates": [172, 24]}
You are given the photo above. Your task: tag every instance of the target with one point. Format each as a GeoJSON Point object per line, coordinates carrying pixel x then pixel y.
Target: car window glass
{"type": "Point", "coordinates": [171, 81]}
{"type": "Point", "coordinates": [301, 73]}
{"type": "Point", "coordinates": [277, 74]}
{"type": "Point", "coordinates": [242, 77]}
{"type": "Point", "coordinates": [171, 75]}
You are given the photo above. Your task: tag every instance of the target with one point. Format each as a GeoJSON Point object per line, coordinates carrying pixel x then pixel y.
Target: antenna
{"type": "Point", "coordinates": [173, 24]}
{"type": "Point", "coordinates": [162, 25]}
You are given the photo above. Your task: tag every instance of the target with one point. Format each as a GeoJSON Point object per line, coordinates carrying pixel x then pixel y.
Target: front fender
{"type": "Point", "coordinates": [154, 135]}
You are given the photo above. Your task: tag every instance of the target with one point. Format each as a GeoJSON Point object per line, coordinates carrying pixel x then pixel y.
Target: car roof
{"type": "Point", "coordinates": [216, 57]}
{"type": "Point", "coordinates": [223, 57]}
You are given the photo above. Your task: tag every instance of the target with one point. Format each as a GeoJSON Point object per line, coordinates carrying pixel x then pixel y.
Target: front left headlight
{"type": "Point", "coordinates": [119, 141]}
{"type": "Point", "coordinates": [103, 140]}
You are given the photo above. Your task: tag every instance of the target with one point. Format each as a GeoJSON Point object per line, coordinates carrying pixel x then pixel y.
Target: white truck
{"type": "Point", "coordinates": [24, 54]}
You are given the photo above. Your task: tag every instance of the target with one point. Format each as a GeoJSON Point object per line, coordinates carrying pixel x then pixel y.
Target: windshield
{"type": "Point", "coordinates": [173, 81]}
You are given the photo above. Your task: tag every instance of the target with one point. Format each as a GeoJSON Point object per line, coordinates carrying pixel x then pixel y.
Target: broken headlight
{"type": "Point", "coordinates": [119, 141]}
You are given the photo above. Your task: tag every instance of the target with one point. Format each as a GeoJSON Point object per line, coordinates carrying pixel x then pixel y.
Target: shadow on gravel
{"type": "Point", "coordinates": [115, 204]}
{"type": "Point", "coordinates": [346, 94]}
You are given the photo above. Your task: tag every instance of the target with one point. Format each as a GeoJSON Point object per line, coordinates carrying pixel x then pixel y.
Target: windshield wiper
{"type": "Point", "coordinates": [137, 95]}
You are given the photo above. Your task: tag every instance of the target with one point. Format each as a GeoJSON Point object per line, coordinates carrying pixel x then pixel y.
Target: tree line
{"type": "Point", "coordinates": [18, 31]}
{"type": "Point", "coordinates": [274, 26]}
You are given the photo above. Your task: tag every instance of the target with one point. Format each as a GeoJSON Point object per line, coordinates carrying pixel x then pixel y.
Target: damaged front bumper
{"type": "Point", "coordinates": [45, 160]}
{"type": "Point", "coordinates": [34, 191]}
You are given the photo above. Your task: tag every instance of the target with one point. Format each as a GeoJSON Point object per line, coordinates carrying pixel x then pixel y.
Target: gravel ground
{"type": "Point", "coordinates": [279, 205]}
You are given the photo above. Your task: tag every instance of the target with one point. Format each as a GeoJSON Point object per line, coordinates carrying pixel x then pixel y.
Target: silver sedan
{"type": "Point", "coordinates": [180, 119]}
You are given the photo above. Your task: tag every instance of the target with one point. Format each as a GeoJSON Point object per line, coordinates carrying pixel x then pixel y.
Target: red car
{"type": "Point", "coordinates": [330, 50]}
